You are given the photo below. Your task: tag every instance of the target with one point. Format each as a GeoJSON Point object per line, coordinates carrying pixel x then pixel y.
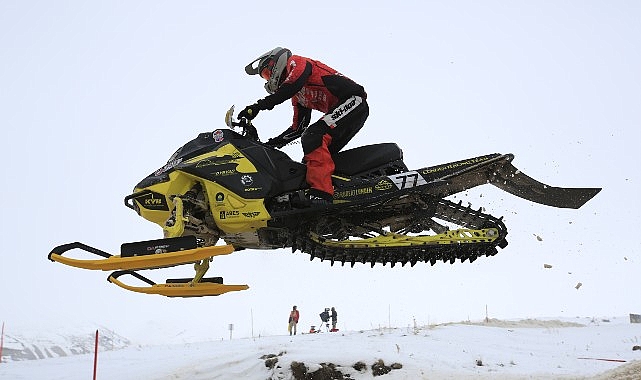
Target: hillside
{"type": "Point", "coordinates": [582, 348]}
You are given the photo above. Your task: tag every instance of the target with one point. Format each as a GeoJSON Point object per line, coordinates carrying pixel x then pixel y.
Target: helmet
{"type": "Point", "coordinates": [271, 66]}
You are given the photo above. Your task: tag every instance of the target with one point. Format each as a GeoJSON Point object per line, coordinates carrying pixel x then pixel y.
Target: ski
{"type": "Point", "coordinates": [182, 287]}
{"type": "Point", "coordinates": [129, 260]}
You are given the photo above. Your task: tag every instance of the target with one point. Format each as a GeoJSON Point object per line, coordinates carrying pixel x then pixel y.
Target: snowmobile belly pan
{"type": "Point", "coordinates": [115, 262]}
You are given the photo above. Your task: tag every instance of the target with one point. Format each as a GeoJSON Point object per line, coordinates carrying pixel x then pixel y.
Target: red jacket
{"type": "Point", "coordinates": [311, 85]}
{"type": "Point", "coordinates": [294, 315]}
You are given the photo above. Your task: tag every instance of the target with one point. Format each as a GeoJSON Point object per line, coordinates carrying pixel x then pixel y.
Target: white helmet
{"type": "Point", "coordinates": [271, 66]}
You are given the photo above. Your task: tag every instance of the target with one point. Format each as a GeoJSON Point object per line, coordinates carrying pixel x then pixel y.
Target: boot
{"type": "Point", "coordinates": [318, 198]}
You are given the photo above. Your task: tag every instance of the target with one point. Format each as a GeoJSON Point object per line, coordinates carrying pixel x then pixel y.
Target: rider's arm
{"type": "Point", "coordinates": [287, 90]}
{"type": "Point", "coordinates": [302, 116]}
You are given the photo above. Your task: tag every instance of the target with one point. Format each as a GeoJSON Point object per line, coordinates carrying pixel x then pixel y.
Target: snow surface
{"type": "Point", "coordinates": [580, 348]}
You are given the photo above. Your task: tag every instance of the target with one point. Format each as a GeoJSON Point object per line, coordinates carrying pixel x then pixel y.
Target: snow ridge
{"type": "Point", "coordinates": [34, 344]}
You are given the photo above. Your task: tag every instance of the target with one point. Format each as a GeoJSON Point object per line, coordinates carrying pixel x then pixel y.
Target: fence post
{"type": "Point", "coordinates": [95, 357]}
{"type": "Point", "coordinates": [1, 341]}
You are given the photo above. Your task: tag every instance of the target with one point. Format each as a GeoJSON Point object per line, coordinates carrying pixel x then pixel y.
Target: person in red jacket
{"type": "Point", "coordinates": [311, 85]}
{"type": "Point", "coordinates": [293, 320]}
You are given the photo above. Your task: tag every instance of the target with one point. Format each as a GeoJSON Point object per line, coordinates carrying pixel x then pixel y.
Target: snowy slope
{"type": "Point", "coordinates": [40, 342]}
{"type": "Point", "coordinates": [540, 349]}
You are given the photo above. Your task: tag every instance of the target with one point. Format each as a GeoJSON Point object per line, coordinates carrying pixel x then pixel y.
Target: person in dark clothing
{"type": "Point", "coordinates": [311, 85]}
{"type": "Point", "coordinates": [334, 316]}
{"type": "Point", "coordinates": [324, 316]}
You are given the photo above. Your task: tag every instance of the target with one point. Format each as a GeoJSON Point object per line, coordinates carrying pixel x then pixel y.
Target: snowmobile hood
{"type": "Point", "coordinates": [203, 143]}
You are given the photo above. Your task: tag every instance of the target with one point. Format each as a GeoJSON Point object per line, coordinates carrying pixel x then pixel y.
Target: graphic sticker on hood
{"type": "Point", "coordinates": [169, 165]}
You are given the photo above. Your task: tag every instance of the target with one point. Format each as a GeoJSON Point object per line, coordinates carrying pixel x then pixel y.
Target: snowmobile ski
{"type": "Point", "coordinates": [182, 287]}
{"type": "Point", "coordinates": [132, 261]}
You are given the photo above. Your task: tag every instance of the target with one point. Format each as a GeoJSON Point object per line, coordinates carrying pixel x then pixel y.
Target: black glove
{"type": "Point", "coordinates": [284, 138]}
{"type": "Point", "coordinates": [249, 112]}
{"type": "Point", "coordinates": [276, 142]}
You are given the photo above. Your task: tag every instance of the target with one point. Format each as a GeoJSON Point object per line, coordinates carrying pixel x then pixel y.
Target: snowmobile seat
{"type": "Point", "coordinates": [368, 158]}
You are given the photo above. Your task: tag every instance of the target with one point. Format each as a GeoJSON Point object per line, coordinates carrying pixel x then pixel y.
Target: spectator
{"type": "Point", "coordinates": [293, 320]}
{"type": "Point", "coordinates": [334, 319]}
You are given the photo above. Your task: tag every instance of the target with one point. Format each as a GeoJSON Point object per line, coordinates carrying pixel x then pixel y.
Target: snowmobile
{"type": "Point", "coordinates": [228, 186]}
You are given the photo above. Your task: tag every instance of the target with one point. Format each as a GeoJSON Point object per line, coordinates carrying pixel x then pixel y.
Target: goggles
{"type": "Point", "coordinates": [266, 72]}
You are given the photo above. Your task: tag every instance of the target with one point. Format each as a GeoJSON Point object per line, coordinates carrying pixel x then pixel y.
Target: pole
{"type": "Point", "coordinates": [95, 357]}
{"type": "Point", "coordinates": [389, 316]}
{"type": "Point", "coordinates": [1, 341]}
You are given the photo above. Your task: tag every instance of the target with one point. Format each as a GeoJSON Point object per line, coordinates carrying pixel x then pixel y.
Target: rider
{"type": "Point", "coordinates": [311, 85]}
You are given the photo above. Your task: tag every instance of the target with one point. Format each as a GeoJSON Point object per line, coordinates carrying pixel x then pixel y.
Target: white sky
{"type": "Point", "coordinates": [96, 95]}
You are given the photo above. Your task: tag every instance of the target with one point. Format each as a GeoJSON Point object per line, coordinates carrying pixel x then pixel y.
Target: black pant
{"type": "Point", "coordinates": [343, 131]}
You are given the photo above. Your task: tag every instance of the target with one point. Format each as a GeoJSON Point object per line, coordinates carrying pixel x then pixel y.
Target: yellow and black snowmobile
{"type": "Point", "coordinates": [227, 185]}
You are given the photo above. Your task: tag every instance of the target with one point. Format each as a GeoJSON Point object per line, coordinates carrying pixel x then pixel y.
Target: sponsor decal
{"type": "Point", "coordinates": [383, 185]}
{"type": "Point", "coordinates": [246, 180]}
{"type": "Point", "coordinates": [253, 188]}
{"type": "Point", "coordinates": [169, 165]}
{"type": "Point", "coordinates": [342, 110]}
{"type": "Point", "coordinates": [158, 248]}
{"type": "Point", "coordinates": [220, 197]}
{"type": "Point", "coordinates": [153, 201]}
{"type": "Point", "coordinates": [218, 135]}
{"type": "Point", "coordinates": [407, 180]}
{"type": "Point", "coordinates": [252, 214]}
{"type": "Point", "coordinates": [223, 173]}
{"type": "Point", "coordinates": [224, 160]}
{"type": "Point", "coordinates": [150, 202]}
{"type": "Point", "coordinates": [307, 97]}
{"type": "Point", "coordinates": [338, 112]}
{"type": "Point", "coordinates": [229, 214]}
{"type": "Point", "coordinates": [455, 165]}
{"type": "Point", "coordinates": [353, 192]}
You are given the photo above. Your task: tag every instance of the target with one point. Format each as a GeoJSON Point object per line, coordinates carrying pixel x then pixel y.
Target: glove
{"type": "Point", "coordinates": [276, 142]}
{"type": "Point", "coordinates": [249, 112]}
{"type": "Point", "coordinates": [284, 138]}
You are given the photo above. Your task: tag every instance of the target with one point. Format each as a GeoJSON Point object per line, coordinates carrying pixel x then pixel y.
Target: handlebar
{"type": "Point", "coordinates": [248, 129]}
